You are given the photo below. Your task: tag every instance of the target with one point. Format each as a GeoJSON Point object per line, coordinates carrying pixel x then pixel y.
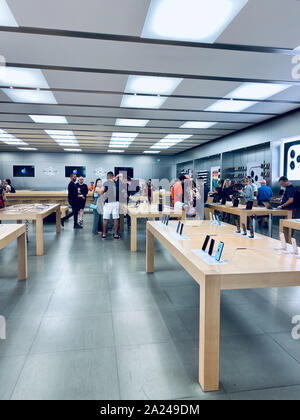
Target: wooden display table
{"type": "Point", "coordinates": [287, 226]}
{"type": "Point", "coordinates": [36, 197]}
{"type": "Point", "coordinates": [37, 212]}
{"type": "Point", "coordinates": [147, 211]}
{"type": "Point", "coordinates": [249, 264]}
{"type": "Point", "coordinates": [244, 214]}
{"type": "Point", "coordinates": [9, 233]}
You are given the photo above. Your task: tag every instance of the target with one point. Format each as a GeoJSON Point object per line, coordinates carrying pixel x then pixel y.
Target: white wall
{"type": "Point", "coordinates": [144, 167]}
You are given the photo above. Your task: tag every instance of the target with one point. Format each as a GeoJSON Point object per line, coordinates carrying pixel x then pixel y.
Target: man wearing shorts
{"type": "Point", "coordinates": [111, 197]}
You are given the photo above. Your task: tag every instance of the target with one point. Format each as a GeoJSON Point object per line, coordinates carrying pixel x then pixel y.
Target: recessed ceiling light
{"type": "Point", "coordinates": [27, 149]}
{"type": "Point", "coordinates": [119, 145]}
{"type": "Point", "coordinates": [230, 106]}
{"type": "Point", "coordinates": [142, 101]}
{"type": "Point", "coordinates": [152, 152]}
{"type": "Point", "coordinates": [152, 85]}
{"type": "Point", "coordinates": [132, 123]}
{"type": "Point", "coordinates": [190, 20]}
{"type": "Point", "coordinates": [160, 146]}
{"type": "Point", "coordinates": [21, 77]}
{"type": "Point", "coordinates": [179, 137]}
{"type": "Point", "coordinates": [48, 119]}
{"type": "Point", "coordinates": [115, 151]}
{"type": "Point", "coordinates": [124, 135]}
{"type": "Point", "coordinates": [72, 150]}
{"type": "Point", "coordinates": [30, 96]}
{"type": "Point", "coordinates": [6, 16]}
{"type": "Point", "coordinates": [198, 124]}
{"type": "Point", "coordinates": [257, 91]}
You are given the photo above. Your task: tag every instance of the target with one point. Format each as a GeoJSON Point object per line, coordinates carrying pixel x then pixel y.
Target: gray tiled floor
{"type": "Point", "coordinates": [91, 324]}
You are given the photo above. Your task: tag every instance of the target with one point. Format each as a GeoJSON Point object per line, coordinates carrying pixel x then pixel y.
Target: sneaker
{"type": "Point", "coordinates": [80, 222]}
{"type": "Point", "coordinates": [117, 237]}
{"type": "Point", "coordinates": [78, 227]}
{"type": "Point", "coordinates": [103, 236]}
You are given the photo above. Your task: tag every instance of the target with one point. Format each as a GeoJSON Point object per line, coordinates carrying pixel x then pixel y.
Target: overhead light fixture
{"type": "Point", "coordinates": [151, 152]}
{"type": "Point", "coordinates": [63, 137]}
{"type": "Point", "coordinates": [11, 140]}
{"type": "Point", "coordinates": [257, 91]}
{"type": "Point", "coordinates": [124, 135]}
{"type": "Point", "coordinates": [170, 140]}
{"type": "Point", "coordinates": [230, 106]}
{"type": "Point", "coordinates": [115, 151]}
{"type": "Point", "coordinates": [190, 20]}
{"type": "Point", "coordinates": [72, 150]}
{"type": "Point", "coordinates": [27, 149]}
{"type": "Point", "coordinates": [120, 145]}
{"type": "Point", "coordinates": [30, 96]}
{"type": "Point", "coordinates": [22, 77]}
{"type": "Point", "coordinates": [6, 16]}
{"type": "Point", "coordinates": [140, 101]}
{"type": "Point", "coordinates": [131, 123]}
{"type": "Point", "coordinates": [152, 85]}
{"type": "Point", "coordinates": [198, 124]}
{"type": "Point", "coordinates": [48, 119]}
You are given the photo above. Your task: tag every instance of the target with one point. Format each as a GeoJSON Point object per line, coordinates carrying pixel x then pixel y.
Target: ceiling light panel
{"type": "Point", "coordinates": [63, 137]}
{"type": "Point", "coordinates": [11, 140]}
{"type": "Point", "coordinates": [257, 91]}
{"type": "Point", "coordinates": [230, 106]}
{"type": "Point", "coordinates": [27, 149]}
{"type": "Point", "coordinates": [21, 77]}
{"type": "Point", "coordinates": [116, 151]}
{"type": "Point", "coordinates": [48, 119]}
{"type": "Point", "coordinates": [152, 85]}
{"type": "Point", "coordinates": [198, 124]}
{"type": "Point", "coordinates": [6, 16]}
{"type": "Point", "coordinates": [140, 101]}
{"type": "Point", "coordinates": [190, 20]}
{"type": "Point", "coordinates": [131, 123]}
{"type": "Point", "coordinates": [30, 96]}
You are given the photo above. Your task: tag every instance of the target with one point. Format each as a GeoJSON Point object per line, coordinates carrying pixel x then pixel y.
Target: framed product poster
{"type": "Point", "coordinates": [255, 171]}
{"type": "Point", "coordinates": [215, 177]}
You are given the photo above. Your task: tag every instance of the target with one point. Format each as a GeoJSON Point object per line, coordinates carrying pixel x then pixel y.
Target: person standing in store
{"type": "Point", "coordinates": [73, 198]}
{"type": "Point", "coordinates": [83, 192]}
{"type": "Point", "coordinates": [289, 196]}
{"type": "Point", "coordinates": [248, 191]}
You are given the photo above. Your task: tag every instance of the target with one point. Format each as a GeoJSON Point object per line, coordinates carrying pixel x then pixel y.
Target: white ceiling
{"type": "Point", "coordinates": [89, 95]}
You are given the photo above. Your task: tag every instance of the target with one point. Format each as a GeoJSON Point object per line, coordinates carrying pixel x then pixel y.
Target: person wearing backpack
{"type": "Point", "coordinates": [9, 188]}
{"type": "Point", "coordinates": [290, 196]}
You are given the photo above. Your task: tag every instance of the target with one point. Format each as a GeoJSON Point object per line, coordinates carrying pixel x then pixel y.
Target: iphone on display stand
{"type": "Point", "coordinates": [211, 218]}
{"type": "Point", "coordinates": [283, 242]}
{"type": "Point", "coordinates": [218, 220]}
{"type": "Point", "coordinates": [178, 226]}
{"type": "Point", "coordinates": [167, 221]}
{"type": "Point", "coordinates": [181, 229]}
{"type": "Point", "coordinates": [211, 247]}
{"type": "Point", "coordinates": [205, 243]}
{"type": "Point", "coordinates": [219, 251]}
{"type": "Point", "coordinates": [238, 227]}
{"type": "Point", "coordinates": [214, 219]}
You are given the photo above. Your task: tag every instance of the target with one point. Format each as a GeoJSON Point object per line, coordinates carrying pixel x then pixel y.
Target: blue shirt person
{"type": "Point", "coordinates": [265, 193]}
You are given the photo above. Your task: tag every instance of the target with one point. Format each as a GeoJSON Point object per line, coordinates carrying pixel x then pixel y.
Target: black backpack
{"type": "Point", "coordinates": [12, 189]}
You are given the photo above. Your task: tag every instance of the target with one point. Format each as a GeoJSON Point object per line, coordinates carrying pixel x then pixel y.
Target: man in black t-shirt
{"type": "Point", "coordinates": [288, 199]}
{"type": "Point", "coordinates": [73, 198]}
{"type": "Point", "coordinates": [111, 198]}
{"type": "Point", "coordinates": [83, 191]}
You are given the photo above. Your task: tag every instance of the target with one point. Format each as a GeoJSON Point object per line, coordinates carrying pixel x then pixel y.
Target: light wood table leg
{"type": "Point", "coordinates": [149, 252]}
{"type": "Point", "coordinates": [39, 236]}
{"type": "Point", "coordinates": [133, 237]}
{"type": "Point", "coordinates": [58, 228]}
{"type": "Point", "coordinates": [209, 345]}
{"type": "Point", "coordinates": [289, 232]}
{"type": "Point", "coordinates": [22, 257]}
{"type": "Point", "coordinates": [243, 219]}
